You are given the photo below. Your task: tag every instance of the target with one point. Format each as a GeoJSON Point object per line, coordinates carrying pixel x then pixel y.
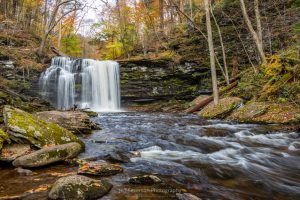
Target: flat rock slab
{"type": "Point", "coordinates": [100, 168]}
{"type": "Point", "coordinates": [11, 152]}
{"type": "Point", "coordinates": [48, 155]}
{"type": "Point", "coordinates": [144, 180]}
{"type": "Point", "coordinates": [78, 187]}
{"type": "Point", "coordinates": [23, 127]}
{"type": "Point", "coordinates": [74, 121]}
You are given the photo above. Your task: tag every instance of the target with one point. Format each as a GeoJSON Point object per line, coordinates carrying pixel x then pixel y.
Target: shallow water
{"type": "Point", "coordinates": [211, 159]}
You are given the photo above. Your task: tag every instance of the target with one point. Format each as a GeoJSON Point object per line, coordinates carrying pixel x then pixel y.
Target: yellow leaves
{"type": "Point", "coordinates": [61, 174]}
{"type": "Point", "coordinates": [39, 189]}
{"type": "Point", "coordinates": [273, 66]}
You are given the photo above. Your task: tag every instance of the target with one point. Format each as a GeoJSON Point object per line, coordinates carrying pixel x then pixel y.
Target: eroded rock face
{"type": "Point", "coordinates": [24, 127]}
{"type": "Point", "coordinates": [144, 180]}
{"type": "Point", "coordinates": [264, 112]}
{"type": "Point", "coordinates": [99, 168]}
{"type": "Point", "coordinates": [74, 121]}
{"type": "Point", "coordinates": [78, 187]}
{"type": "Point", "coordinates": [223, 109]}
{"type": "Point", "coordinates": [48, 155]}
{"type": "Point", "coordinates": [147, 81]}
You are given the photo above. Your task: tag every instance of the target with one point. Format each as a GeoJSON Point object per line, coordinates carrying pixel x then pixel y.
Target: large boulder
{"type": "Point", "coordinates": [23, 126]}
{"type": "Point", "coordinates": [225, 107]}
{"type": "Point", "coordinates": [265, 112]}
{"type": "Point", "coordinates": [48, 155]}
{"type": "Point", "coordinates": [74, 121]}
{"type": "Point", "coordinates": [78, 187]}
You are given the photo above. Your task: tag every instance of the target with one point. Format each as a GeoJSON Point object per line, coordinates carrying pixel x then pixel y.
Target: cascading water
{"type": "Point", "coordinates": [86, 83]}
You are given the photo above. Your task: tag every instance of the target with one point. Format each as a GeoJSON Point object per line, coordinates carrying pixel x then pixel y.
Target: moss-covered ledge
{"type": "Point", "coordinates": [27, 128]}
{"type": "Point", "coordinates": [225, 107]}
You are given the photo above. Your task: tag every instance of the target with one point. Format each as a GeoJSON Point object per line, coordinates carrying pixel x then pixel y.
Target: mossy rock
{"type": "Point", "coordinates": [3, 138]}
{"type": "Point", "coordinates": [225, 107]}
{"type": "Point", "coordinates": [48, 155]}
{"type": "Point", "coordinates": [99, 168]}
{"type": "Point", "coordinates": [266, 112]}
{"type": "Point", "coordinates": [23, 126]}
{"type": "Point", "coordinates": [78, 187]}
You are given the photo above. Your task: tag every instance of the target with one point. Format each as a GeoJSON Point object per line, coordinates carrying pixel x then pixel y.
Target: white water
{"type": "Point", "coordinates": [86, 83]}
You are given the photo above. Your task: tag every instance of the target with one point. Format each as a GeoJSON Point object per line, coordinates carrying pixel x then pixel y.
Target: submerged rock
{"type": "Point", "coordinates": [24, 172]}
{"type": "Point", "coordinates": [24, 127]}
{"type": "Point", "coordinates": [223, 109]}
{"type": "Point", "coordinates": [264, 112]}
{"type": "Point", "coordinates": [74, 121]}
{"type": "Point", "coordinates": [99, 168]}
{"type": "Point", "coordinates": [144, 179]}
{"type": "Point", "coordinates": [48, 155]}
{"type": "Point", "coordinates": [78, 187]}
{"type": "Point", "coordinates": [186, 196]}
{"type": "Point", "coordinates": [12, 152]}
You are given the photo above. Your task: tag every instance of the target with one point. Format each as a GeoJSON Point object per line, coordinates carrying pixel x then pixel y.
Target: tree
{"type": "Point", "coordinates": [67, 6]}
{"type": "Point", "coordinates": [211, 53]}
{"type": "Point", "coordinates": [257, 37]}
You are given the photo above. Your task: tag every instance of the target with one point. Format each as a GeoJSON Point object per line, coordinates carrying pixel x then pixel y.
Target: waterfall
{"type": "Point", "coordinates": [86, 83]}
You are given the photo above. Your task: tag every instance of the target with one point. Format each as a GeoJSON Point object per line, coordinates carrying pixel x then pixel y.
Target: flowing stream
{"type": "Point", "coordinates": [210, 159]}
{"type": "Point", "coordinates": [84, 83]}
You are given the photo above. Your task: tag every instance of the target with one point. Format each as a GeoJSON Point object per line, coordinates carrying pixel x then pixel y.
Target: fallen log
{"type": "Point", "coordinates": [209, 99]}
{"type": "Point", "coordinates": [57, 52]}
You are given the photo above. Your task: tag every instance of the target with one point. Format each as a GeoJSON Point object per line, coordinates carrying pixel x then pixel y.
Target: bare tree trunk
{"type": "Point", "coordinates": [161, 15]}
{"type": "Point", "coordinates": [222, 46]}
{"type": "Point", "coordinates": [258, 20]}
{"type": "Point", "coordinates": [212, 53]}
{"type": "Point", "coordinates": [254, 35]}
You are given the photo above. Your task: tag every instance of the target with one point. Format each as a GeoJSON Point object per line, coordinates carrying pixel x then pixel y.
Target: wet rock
{"type": "Point", "coordinates": [264, 112]}
{"type": "Point", "coordinates": [99, 168]}
{"type": "Point", "coordinates": [23, 127]}
{"type": "Point", "coordinates": [11, 152]}
{"type": "Point", "coordinates": [24, 172]}
{"type": "Point", "coordinates": [74, 121]}
{"type": "Point", "coordinates": [117, 157]}
{"type": "Point", "coordinates": [144, 179]}
{"type": "Point", "coordinates": [78, 187]}
{"type": "Point", "coordinates": [186, 196]}
{"type": "Point", "coordinates": [48, 155]}
{"type": "Point", "coordinates": [225, 107]}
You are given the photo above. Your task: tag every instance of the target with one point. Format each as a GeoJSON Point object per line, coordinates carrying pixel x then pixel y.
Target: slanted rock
{"type": "Point", "coordinates": [78, 187]}
{"type": "Point", "coordinates": [144, 179]}
{"type": "Point", "coordinates": [264, 112]}
{"type": "Point", "coordinates": [24, 127]}
{"type": "Point", "coordinates": [99, 168]}
{"type": "Point", "coordinates": [186, 196]}
{"type": "Point", "coordinates": [11, 152]}
{"type": "Point", "coordinates": [225, 107]}
{"type": "Point", "coordinates": [74, 121]}
{"type": "Point", "coordinates": [48, 155]}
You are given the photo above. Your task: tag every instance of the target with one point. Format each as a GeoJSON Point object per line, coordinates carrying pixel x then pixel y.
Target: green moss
{"type": "Point", "coordinates": [37, 132]}
{"type": "Point", "coordinates": [223, 109]}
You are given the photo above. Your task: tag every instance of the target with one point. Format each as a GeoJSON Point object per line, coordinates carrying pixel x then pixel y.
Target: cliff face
{"type": "Point", "coordinates": [145, 81]}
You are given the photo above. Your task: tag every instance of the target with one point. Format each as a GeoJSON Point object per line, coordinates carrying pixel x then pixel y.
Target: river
{"type": "Point", "coordinates": [208, 158]}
